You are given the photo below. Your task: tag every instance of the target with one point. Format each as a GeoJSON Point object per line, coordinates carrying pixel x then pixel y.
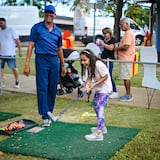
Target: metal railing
{"type": "Point", "coordinates": [20, 64]}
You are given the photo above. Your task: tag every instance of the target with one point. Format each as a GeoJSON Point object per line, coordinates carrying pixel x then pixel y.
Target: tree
{"type": "Point", "coordinates": [115, 7]}
{"type": "Point", "coordinates": [138, 14]}
{"type": "Point", "coordinates": [10, 2]}
{"type": "Point", "coordinates": [118, 14]}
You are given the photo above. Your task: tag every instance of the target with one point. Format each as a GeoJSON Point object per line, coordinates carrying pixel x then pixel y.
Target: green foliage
{"type": "Point", "coordinates": [11, 2]}
{"type": "Point", "coordinates": [111, 7]}
{"type": "Point", "coordinates": [138, 14]}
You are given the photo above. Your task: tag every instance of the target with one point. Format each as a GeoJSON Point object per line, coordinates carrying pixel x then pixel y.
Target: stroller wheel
{"type": "Point", "coordinates": [79, 92]}
{"type": "Point", "coordinates": [69, 90]}
{"type": "Point", "coordinates": [60, 92]}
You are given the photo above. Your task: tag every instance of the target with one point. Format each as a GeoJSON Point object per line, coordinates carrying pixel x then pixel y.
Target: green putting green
{"type": "Point", "coordinates": [6, 115]}
{"type": "Point", "coordinates": [65, 141]}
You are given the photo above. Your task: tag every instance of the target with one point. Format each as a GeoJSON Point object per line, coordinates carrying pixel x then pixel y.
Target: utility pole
{"type": "Point", "coordinates": [94, 23]}
{"type": "Point", "coordinates": [45, 3]}
{"type": "Point", "coordinates": [94, 6]}
{"type": "Point", "coordinates": [31, 2]}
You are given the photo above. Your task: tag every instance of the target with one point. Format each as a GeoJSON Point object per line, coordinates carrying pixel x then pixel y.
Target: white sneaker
{"type": "Point", "coordinates": [113, 95]}
{"type": "Point", "coordinates": [46, 122]}
{"type": "Point", "coordinates": [94, 137]}
{"type": "Point", "coordinates": [94, 130]}
{"type": "Point", "coordinates": [17, 85]}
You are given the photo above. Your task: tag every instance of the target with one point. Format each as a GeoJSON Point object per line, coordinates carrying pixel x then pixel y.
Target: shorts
{"type": "Point", "coordinates": [125, 71]}
{"type": "Point", "coordinates": [11, 63]}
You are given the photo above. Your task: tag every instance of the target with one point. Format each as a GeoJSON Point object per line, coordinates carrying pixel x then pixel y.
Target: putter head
{"type": "Point", "coordinates": [56, 118]}
{"type": "Point", "coordinates": [80, 93]}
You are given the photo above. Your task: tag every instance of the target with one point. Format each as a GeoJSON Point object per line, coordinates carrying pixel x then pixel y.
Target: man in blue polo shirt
{"type": "Point", "coordinates": [46, 37]}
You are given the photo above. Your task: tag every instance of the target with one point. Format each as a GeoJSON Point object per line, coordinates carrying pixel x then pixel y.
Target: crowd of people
{"type": "Point", "coordinates": [46, 39]}
{"type": "Point", "coordinates": [123, 50]}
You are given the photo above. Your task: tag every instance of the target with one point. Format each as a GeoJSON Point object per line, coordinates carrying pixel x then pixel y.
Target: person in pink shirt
{"type": "Point", "coordinates": [125, 50]}
{"type": "Point", "coordinates": [100, 80]}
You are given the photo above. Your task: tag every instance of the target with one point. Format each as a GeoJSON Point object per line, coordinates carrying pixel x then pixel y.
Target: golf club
{"type": "Point", "coordinates": [81, 94]}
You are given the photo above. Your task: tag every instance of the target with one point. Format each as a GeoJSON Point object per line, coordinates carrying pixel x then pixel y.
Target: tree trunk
{"type": "Point", "coordinates": [118, 14]}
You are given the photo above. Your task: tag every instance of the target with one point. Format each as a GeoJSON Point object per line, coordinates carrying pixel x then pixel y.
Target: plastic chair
{"type": "Point", "coordinates": [149, 58]}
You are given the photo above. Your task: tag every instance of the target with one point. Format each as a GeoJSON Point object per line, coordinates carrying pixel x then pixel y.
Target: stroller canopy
{"type": "Point", "coordinates": [70, 54]}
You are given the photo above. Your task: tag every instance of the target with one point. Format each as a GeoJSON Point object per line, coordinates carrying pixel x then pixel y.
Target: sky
{"type": "Point", "coordinates": [64, 10]}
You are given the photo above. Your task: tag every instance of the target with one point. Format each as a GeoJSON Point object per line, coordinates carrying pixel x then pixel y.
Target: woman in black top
{"type": "Point", "coordinates": [108, 43]}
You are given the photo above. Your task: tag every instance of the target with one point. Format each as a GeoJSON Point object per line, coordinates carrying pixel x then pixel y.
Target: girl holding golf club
{"type": "Point", "coordinates": [98, 79]}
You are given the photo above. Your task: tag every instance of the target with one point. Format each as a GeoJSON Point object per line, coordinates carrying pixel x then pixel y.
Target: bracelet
{"type": "Point", "coordinates": [62, 65]}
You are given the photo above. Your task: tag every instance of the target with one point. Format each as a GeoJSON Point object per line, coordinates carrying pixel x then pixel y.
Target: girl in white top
{"type": "Point", "coordinates": [98, 79]}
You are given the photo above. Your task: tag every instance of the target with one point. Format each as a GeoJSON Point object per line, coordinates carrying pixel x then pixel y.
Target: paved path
{"type": "Point", "coordinates": [140, 95]}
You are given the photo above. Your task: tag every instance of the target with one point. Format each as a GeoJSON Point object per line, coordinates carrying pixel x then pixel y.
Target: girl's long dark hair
{"type": "Point", "coordinates": [88, 53]}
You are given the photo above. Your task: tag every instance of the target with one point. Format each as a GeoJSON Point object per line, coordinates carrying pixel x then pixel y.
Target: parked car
{"type": "Point", "coordinates": [100, 23]}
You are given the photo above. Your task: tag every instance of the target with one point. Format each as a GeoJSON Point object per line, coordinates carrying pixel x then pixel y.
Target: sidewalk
{"type": "Point", "coordinates": [27, 85]}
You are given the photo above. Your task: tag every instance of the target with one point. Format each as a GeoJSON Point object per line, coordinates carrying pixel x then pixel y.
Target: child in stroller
{"type": "Point", "coordinates": [72, 79]}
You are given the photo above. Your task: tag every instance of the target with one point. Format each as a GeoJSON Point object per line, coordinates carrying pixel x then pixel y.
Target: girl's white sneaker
{"type": "Point", "coordinates": [113, 95]}
{"type": "Point", "coordinates": [94, 137]}
{"type": "Point", "coordinates": [94, 130]}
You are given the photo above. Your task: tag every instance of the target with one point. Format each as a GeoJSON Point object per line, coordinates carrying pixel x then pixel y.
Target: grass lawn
{"type": "Point", "coordinates": [145, 146]}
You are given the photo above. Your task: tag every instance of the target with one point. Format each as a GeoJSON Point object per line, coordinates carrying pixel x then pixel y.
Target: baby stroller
{"type": "Point", "coordinates": [72, 79]}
